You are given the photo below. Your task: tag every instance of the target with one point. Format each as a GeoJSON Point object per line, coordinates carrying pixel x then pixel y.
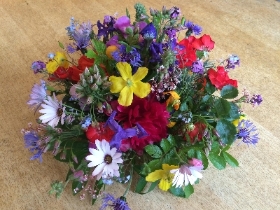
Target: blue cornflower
{"type": "Point", "coordinates": [117, 204]}
{"type": "Point", "coordinates": [247, 132]}
{"type": "Point", "coordinates": [232, 61]}
{"type": "Point", "coordinates": [32, 142]}
{"type": "Point", "coordinates": [256, 100]}
{"type": "Point", "coordinates": [192, 28]}
{"type": "Point", "coordinates": [174, 12]}
{"type": "Point", "coordinates": [149, 32]}
{"type": "Point", "coordinates": [197, 67]}
{"type": "Point", "coordinates": [133, 56]}
{"type": "Point", "coordinates": [38, 66]}
{"type": "Point", "coordinates": [86, 122]}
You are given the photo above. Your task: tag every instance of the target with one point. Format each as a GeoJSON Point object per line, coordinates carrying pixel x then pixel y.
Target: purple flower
{"type": "Point", "coordinates": [156, 51]}
{"type": "Point", "coordinates": [192, 28]}
{"type": "Point", "coordinates": [32, 142]}
{"type": "Point", "coordinates": [256, 100]}
{"type": "Point", "coordinates": [232, 61]}
{"type": "Point", "coordinates": [121, 133]}
{"type": "Point", "coordinates": [107, 27]}
{"type": "Point", "coordinates": [197, 67]}
{"type": "Point", "coordinates": [122, 24]}
{"type": "Point", "coordinates": [149, 32]}
{"type": "Point", "coordinates": [247, 131]}
{"type": "Point", "coordinates": [38, 94]}
{"type": "Point", "coordinates": [38, 66]}
{"type": "Point", "coordinates": [174, 12]}
{"type": "Point", "coordinates": [70, 29]}
{"type": "Point", "coordinates": [132, 56]}
{"type": "Point", "coordinates": [117, 204]}
{"type": "Point", "coordinates": [113, 41]}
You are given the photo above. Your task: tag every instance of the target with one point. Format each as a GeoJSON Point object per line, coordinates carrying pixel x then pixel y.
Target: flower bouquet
{"type": "Point", "coordinates": [137, 100]}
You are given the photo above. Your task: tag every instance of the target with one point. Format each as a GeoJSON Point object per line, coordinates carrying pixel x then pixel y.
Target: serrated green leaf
{"type": "Point", "coordinates": [226, 130]}
{"type": "Point", "coordinates": [215, 148]}
{"type": "Point", "coordinates": [90, 54]}
{"type": "Point", "coordinates": [154, 164]}
{"type": "Point", "coordinates": [188, 190]}
{"type": "Point", "coordinates": [60, 45]}
{"type": "Point", "coordinates": [99, 46]}
{"type": "Point", "coordinates": [201, 156]}
{"type": "Point", "coordinates": [210, 89]}
{"type": "Point", "coordinates": [191, 153]}
{"type": "Point", "coordinates": [171, 140]}
{"type": "Point", "coordinates": [140, 184]}
{"type": "Point", "coordinates": [206, 98]}
{"type": "Point", "coordinates": [222, 107]}
{"type": "Point", "coordinates": [234, 112]}
{"type": "Point", "coordinates": [229, 92]}
{"type": "Point", "coordinates": [170, 158]}
{"type": "Point", "coordinates": [165, 145]}
{"type": "Point", "coordinates": [199, 54]}
{"type": "Point", "coordinates": [179, 192]}
{"type": "Point", "coordinates": [218, 161]}
{"type": "Point", "coordinates": [230, 160]}
{"type": "Point", "coordinates": [154, 151]}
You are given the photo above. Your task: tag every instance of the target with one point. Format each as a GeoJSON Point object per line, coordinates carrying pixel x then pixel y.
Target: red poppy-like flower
{"type": "Point", "coordinates": [220, 78]}
{"type": "Point", "coordinates": [197, 133]}
{"type": "Point", "coordinates": [99, 132]}
{"type": "Point", "coordinates": [186, 53]}
{"type": "Point", "coordinates": [203, 43]}
{"type": "Point", "coordinates": [148, 113]}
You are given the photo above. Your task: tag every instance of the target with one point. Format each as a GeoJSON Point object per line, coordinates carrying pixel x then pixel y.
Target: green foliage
{"type": "Point", "coordinates": [226, 130]}
{"type": "Point", "coordinates": [229, 92]}
{"type": "Point", "coordinates": [188, 190]}
{"type": "Point", "coordinates": [154, 151]}
{"type": "Point", "coordinates": [230, 160]}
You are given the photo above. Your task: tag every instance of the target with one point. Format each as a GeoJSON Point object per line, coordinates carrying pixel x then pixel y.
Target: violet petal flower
{"type": "Point", "coordinates": [38, 95]}
{"type": "Point", "coordinates": [31, 140]}
{"type": "Point", "coordinates": [256, 100]}
{"type": "Point", "coordinates": [38, 66]}
{"type": "Point", "coordinates": [122, 23]}
{"type": "Point", "coordinates": [149, 32]}
{"type": "Point", "coordinates": [117, 204]}
{"type": "Point", "coordinates": [247, 132]}
{"type": "Point", "coordinates": [197, 67]}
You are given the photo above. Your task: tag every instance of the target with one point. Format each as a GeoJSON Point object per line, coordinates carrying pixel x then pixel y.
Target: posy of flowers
{"type": "Point", "coordinates": [137, 100]}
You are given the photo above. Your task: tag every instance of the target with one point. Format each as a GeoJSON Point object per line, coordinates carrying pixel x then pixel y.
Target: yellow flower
{"type": "Point", "coordinates": [59, 59]}
{"type": "Point", "coordinates": [173, 99]}
{"type": "Point", "coordinates": [236, 122]}
{"type": "Point", "coordinates": [128, 84]}
{"type": "Point", "coordinates": [164, 175]}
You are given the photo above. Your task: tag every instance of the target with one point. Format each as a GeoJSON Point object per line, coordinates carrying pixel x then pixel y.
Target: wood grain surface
{"type": "Point", "coordinates": [29, 30]}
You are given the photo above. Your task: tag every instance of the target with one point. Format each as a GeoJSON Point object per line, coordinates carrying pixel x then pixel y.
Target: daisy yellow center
{"type": "Point", "coordinates": [59, 112]}
{"type": "Point", "coordinates": [129, 82]}
{"type": "Point", "coordinates": [108, 159]}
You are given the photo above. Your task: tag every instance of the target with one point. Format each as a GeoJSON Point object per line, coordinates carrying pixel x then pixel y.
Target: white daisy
{"type": "Point", "coordinates": [105, 160]}
{"type": "Point", "coordinates": [38, 94]}
{"type": "Point", "coordinates": [52, 111]}
{"type": "Point", "coordinates": [186, 174]}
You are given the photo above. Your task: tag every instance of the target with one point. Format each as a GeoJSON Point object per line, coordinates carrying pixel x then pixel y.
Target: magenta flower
{"type": "Point", "coordinates": [122, 24]}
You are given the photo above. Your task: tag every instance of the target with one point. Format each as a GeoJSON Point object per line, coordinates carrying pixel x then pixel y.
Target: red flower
{"type": "Point", "coordinates": [220, 78]}
{"type": "Point", "coordinates": [151, 115]}
{"type": "Point", "coordinates": [75, 71]}
{"type": "Point", "coordinates": [99, 132]}
{"type": "Point", "coordinates": [197, 132]}
{"type": "Point", "coordinates": [203, 43]}
{"type": "Point", "coordinates": [186, 53]}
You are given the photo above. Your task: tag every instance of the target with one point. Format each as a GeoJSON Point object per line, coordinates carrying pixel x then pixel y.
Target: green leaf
{"type": "Point", "coordinates": [165, 145]}
{"type": "Point", "coordinates": [201, 156]}
{"type": "Point", "coordinates": [151, 166]}
{"type": "Point", "coordinates": [154, 151]}
{"type": "Point", "coordinates": [226, 130]}
{"type": "Point", "coordinates": [90, 54]}
{"type": "Point", "coordinates": [234, 112]}
{"type": "Point", "coordinates": [141, 185]}
{"type": "Point", "coordinates": [229, 92]}
{"type": "Point", "coordinates": [60, 45]}
{"type": "Point", "coordinates": [171, 140]}
{"type": "Point", "coordinates": [218, 161]}
{"type": "Point", "coordinates": [177, 191]}
{"type": "Point", "coordinates": [183, 106]}
{"type": "Point", "coordinates": [210, 88]}
{"type": "Point", "coordinates": [99, 46]}
{"type": "Point", "coordinates": [152, 186]}
{"type": "Point", "coordinates": [188, 190]}
{"type": "Point", "coordinates": [215, 148]}
{"type": "Point", "coordinates": [206, 98]}
{"type": "Point", "coordinates": [77, 186]}
{"type": "Point", "coordinates": [170, 158]}
{"type": "Point", "coordinates": [222, 107]}
{"type": "Point", "coordinates": [199, 54]}
{"type": "Point", "coordinates": [97, 187]}
{"type": "Point", "coordinates": [230, 160]}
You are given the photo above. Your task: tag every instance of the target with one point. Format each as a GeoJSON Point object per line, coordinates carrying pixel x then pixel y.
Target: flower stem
{"type": "Point", "coordinates": [130, 181]}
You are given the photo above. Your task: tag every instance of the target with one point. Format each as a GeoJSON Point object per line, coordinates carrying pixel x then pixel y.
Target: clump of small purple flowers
{"type": "Point", "coordinates": [197, 67]}
{"type": "Point", "coordinates": [38, 66]}
{"type": "Point", "coordinates": [256, 100]}
{"type": "Point", "coordinates": [174, 12]}
{"type": "Point", "coordinates": [247, 132]}
{"type": "Point", "coordinates": [116, 204]}
{"type": "Point", "coordinates": [122, 55]}
{"type": "Point", "coordinates": [192, 28]}
{"type": "Point", "coordinates": [232, 62]}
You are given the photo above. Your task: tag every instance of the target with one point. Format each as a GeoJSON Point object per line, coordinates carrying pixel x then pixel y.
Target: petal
{"type": "Point", "coordinates": [141, 89]}
{"type": "Point", "coordinates": [51, 66]}
{"type": "Point", "coordinates": [117, 84]}
{"type": "Point", "coordinates": [99, 169]}
{"type": "Point", "coordinates": [125, 70]}
{"type": "Point", "coordinates": [140, 74]}
{"type": "Point", "coordinates": [154, 176]}
{"type": "Point", "coordinates": [167, 167]}
{"type": "Point", "coordinates": [164, 184]}
{"type": "Point", "coordinates": [126, 96]}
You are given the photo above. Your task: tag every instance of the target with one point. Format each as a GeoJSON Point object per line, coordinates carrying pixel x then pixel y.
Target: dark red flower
{"type": "Point", "coordinates": [186, 53]}
{"type": "Point", "coordinates": [99, 132]}
{"type": "Point", "coordinates": [148, 113]}
{"type": "Point", "coordinates": [197, 133]}
{"type": "Point", "coordinates": [220, 78]}
{"type": "Point", "coordinates": [203, 43]}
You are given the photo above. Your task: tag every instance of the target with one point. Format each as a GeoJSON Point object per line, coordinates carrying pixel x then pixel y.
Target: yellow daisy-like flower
{"type": "Point", "coordinates": [128, 84]}
{"type": "Point", "coordinates": [236, 122]}
{"type": "Point", "coordinates": [164, 175]}
{"type": "Point", "coordinates": [59, 59]}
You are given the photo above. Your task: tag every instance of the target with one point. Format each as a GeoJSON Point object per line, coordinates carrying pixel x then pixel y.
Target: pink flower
{"type": "Point", "coordinates": [122, 24]}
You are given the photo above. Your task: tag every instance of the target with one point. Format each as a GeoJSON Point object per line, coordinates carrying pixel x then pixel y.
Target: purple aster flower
{"type": "Point", "coordinates": [232, 61]}
{"type": "Point", "coordinates": [38, 95]}
{"type": "Point", "coordinates": [121, 133]}
{"type": "Point", "coordinates": [197, 67]}
{"type": "Point", "coordinates": [133, 56]}
{"type": "Point", "coordinates": [192, 28]}
{"type": "Point", "coordinates": [38, 66]}
{"type": "Point", "coordinates": [33, 143]}
{"type": "Point", "coordinates": [149, 32]}
{"type": "Point", "coordinates": [156, 51]}
{"type": "Point", "coordinates": [117, 204]}
{"type": "Point", "coordinates": [247, 131]}
{"type": "Point", "coordinates": [174, 12]}
{"type": "Point", "coordinates": [256, 100]}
